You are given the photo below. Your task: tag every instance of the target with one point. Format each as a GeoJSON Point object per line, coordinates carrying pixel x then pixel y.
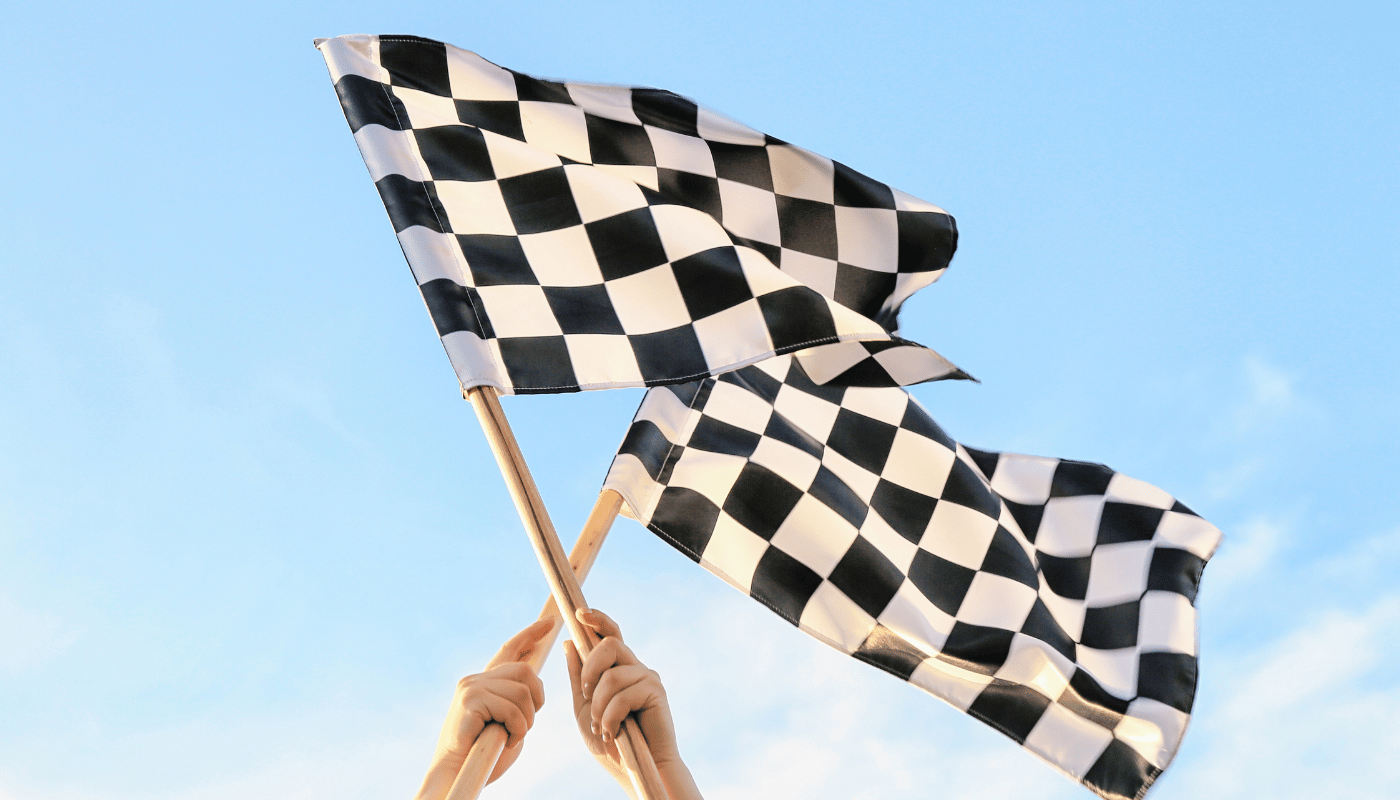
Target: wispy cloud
{"type": "Point", "coordinates": [350, 748]}
{"type": "Point", "coordinates": [1271, 395]}
{"type": "Point", "coordinates": [1314, 716]}
{"type": "Point", "coordinates": [1246, 552]}
{"type": "Point", "coordinates": [1233, 479]}
{"type": "Point", "coordinates": [1256, 428]}
{"type": "Point", "coordinates": [763, 711]}
{"type": "Point", "coordinates": [31, 636]}
{"type": "Point", "coordinates": [1364, 561]}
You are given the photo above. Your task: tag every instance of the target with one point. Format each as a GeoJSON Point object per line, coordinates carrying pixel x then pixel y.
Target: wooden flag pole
{"type": "Point", "coordinates": [631, 745]}
{"type": "Point", "coordinates": [489, 744]}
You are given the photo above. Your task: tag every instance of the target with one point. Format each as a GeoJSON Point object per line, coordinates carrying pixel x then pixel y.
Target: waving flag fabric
{"type": "Point", "coordinates": [571, 236]}
{"type": "Point", "coordinates": [1052, 599]}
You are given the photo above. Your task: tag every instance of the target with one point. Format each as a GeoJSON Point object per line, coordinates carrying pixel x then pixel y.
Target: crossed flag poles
{"type": "Point", "coordinates": [489, 745]}
{"type": "Point", "coordinates": [566, 598]}
{"type": "Point", "coordinates": [571, 236]}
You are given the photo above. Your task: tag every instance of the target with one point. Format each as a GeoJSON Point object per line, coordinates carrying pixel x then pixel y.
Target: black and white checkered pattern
{"type": "Point", "coordinates": [572, 236]}
{"type": "Point", "coordinates": [1052, 599]}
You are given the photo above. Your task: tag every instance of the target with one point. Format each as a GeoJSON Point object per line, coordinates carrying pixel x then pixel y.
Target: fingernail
{"type": "Point", "coordinates": [605, 736]}
{"type": "Point", "coordinates": [593, 727]}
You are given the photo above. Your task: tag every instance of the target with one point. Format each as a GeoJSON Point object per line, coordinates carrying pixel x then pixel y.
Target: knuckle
{"type": "Point", "coordinates": [606, 683]}
{"type": "Point", "coordinates": [475, 716]}
{"type": "Point", "coordinates": [617, 709]}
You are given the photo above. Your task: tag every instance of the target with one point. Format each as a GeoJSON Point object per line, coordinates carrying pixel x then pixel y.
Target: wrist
{"type": "Point", "coordinates": [676, 777]}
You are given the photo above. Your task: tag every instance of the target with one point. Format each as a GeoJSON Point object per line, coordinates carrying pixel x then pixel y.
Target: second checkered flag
{"type": "Point", "coordinates": [1052, 599]}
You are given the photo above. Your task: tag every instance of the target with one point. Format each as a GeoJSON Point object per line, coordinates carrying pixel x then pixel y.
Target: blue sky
{"type": "Point", "coordinates": [250, 534]}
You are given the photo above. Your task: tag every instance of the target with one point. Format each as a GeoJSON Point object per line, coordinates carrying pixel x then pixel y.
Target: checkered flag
{"type": "Point", "coordinates": [571, 236]}
{"type": "Point", "coordinates": [1051, 599]}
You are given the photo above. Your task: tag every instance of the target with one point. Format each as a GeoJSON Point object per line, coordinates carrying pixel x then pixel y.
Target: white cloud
{"type": "Point", "coordinates": [31, 636]}
{"type": "Point", "coordinates": [343, 750]}
{"type": "Point", "coordinates": [1271, 396]}
{"type": "Point", "coordinates": [1314, 716]}
{"type": "Point", "coordinates": [1364, 561]}
{"type": "Point", "coordinates": [763, 711]}
{"type": "Point", "coordinates": [1257, 429]}
{"type": "Point", "coordinates": [1245, 552]}
{"type": "Point", "coordinates": [1233, 479]}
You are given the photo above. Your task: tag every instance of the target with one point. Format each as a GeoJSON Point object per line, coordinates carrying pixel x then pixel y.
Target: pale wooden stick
{"type": "Point", "coordinates": [489, 744]}
{"type": "Point", "coordinates": [632, 746]}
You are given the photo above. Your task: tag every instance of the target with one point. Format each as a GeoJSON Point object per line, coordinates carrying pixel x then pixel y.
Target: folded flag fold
{"type": "Point", "coordinates": [1051, 599]}
{"type": "Point", "coordinates": [569, 236]}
